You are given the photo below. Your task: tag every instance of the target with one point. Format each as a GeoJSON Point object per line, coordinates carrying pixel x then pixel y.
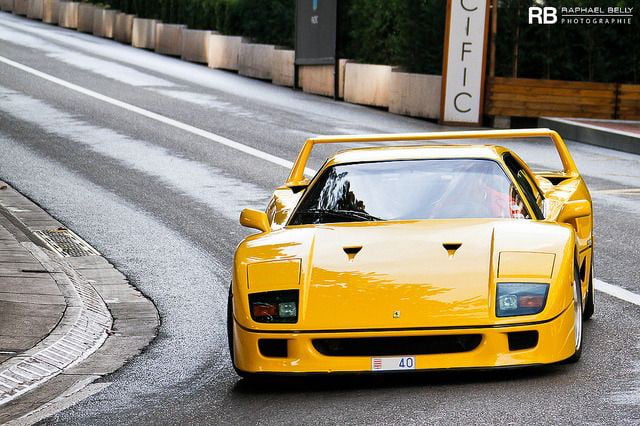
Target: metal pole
{"type": "Point", "coordinates": [336, 65]}
{"type": "Point", "coordinates": [296, 69]}
{"type": "Point", "coordinates": [492, 39]}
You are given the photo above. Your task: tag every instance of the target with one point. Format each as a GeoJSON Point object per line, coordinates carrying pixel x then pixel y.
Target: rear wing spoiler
{"type": "Point", "coordinates": [296, 178]}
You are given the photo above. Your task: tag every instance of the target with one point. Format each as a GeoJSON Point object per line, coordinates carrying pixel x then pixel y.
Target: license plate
{"type": "Point", "coordinates": [393, 363]}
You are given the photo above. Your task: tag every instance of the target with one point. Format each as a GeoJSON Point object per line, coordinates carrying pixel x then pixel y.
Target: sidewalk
{"type": "Point", "coordinates": [31, 304]}
{"type": "Point", "coordinates": [67, 316]}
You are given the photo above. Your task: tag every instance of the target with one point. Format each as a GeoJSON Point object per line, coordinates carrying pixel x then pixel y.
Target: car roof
{"type": "Point", "coordinates": [416, 152]}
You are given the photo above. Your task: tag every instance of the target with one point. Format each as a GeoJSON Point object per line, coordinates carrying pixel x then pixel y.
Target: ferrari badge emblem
{"type": "Point", "coordinates": [396, 314]}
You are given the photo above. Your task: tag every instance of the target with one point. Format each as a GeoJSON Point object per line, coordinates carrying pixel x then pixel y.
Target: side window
{"type": "Point", "coordinates": [534, 197]}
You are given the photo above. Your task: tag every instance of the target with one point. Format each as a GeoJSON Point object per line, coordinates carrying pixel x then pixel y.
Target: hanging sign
{"type": "Point", "coordinates": [316, 27]}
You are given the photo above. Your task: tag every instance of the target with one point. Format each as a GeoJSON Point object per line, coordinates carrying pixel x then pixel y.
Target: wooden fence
{"type": "Point", "coordinates": [523, 97]}
{"type": "Point", "coordinates": [629, 102]}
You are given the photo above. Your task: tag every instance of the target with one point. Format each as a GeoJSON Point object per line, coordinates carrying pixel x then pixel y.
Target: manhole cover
{"type": "Point", "coordinates": [66, 243]}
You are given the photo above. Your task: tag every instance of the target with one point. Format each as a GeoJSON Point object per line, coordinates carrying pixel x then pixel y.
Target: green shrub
{"type": "Point", "coordinates": [409, 33]}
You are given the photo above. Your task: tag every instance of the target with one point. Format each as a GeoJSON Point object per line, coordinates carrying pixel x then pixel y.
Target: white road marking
{"type": "Point", "coordinates": [610, 289]}
{"type": "Point", "coordinates": [225, 194]}
{"type": "Point", "coordinates": [617, 292]}
{"type": "Point", "coordinates": [157, 117]}
{"type": "Point", "coordinates": [105, 68]}
{"type": "Point", "coordinates": [617, 191]}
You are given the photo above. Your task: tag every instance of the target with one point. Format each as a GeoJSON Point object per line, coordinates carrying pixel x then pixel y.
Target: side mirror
{"type": "Point", "coordinates": [255, 219]}
{"type": "Point", "coordinates": [574, 210]}
{"type": "Point", "coordinates": [298, 186]}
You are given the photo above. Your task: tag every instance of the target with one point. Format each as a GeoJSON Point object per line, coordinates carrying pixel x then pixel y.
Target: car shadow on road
{"type": "Point", "coordinates": [360, 381]}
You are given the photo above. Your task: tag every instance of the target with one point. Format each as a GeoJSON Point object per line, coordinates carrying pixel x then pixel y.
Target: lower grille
{"type": "Point", "coordinates": [273, 348]}
{"type": "Point", "coordinates": [519, 340]}
{"type": "Point", "coordinates": [387, 346]}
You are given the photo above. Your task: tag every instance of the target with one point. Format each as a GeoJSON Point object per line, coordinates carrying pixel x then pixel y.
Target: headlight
{"type": "Point", "coordinates": [520, 299]}
{"type": "Point", "coordinates": [274, 306]}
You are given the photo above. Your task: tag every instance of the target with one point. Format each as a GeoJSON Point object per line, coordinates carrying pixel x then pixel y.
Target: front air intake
{"type": "Point", "coordinates": [388, 346]}
{"type": "Point", "coordinates": [273, 348]}
{"type": "Point", "coordinates": [519, 340]}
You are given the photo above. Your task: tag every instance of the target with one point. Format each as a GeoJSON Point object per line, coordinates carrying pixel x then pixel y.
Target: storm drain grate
{"type": "Point", "coordinates": [66, 243]}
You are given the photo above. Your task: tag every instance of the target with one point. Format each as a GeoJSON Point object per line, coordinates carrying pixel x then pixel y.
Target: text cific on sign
{"type": "Point", "coordinates": [464, 61]}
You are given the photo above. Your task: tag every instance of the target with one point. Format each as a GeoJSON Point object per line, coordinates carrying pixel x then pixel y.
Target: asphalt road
{"type": "Point", "coordinates": [162, 204]}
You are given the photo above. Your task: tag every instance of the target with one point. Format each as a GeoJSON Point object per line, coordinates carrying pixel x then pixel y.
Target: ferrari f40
{"type": "Point", "coordinates": [405, 254]}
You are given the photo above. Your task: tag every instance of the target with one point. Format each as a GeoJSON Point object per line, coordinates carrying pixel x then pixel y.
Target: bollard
{"type": "Point", "coordinates": [144, 33]}
{"type": "Point", "coordinates": [169, 39]}
{"type": "Point", "coordinates": [35, 9]}
{"type": "Point", "coordinates": [104, 21]}
{"type": "Point", "coordinates": [50, 11]}
{"type": "Point", "coordinates": [85, 17]}
{"type": "Point", "coordinates": [123, 27]}
{"type": "Point", "coordinates": [224, 51]}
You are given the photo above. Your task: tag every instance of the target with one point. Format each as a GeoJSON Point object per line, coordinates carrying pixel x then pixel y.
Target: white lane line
{"type": "Point", "coordinates": [617, 191]}
{"type": "Point", "coordinates": [103, 67]}
{"type": "Point", "coordinates": [618, 292]}
{"type": "Point", "coordinates": [157, 117]}
{"type": "Point", "coordinates": [224, 193]}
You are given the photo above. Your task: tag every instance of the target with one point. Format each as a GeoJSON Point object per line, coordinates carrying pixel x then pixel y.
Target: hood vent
{"type": "Point", "coordinates": [451, 248]}
{"type": "Point", "coordinates": [352, 251]}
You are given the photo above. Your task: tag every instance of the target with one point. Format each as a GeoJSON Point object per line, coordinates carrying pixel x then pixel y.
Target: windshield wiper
{"type": "Point", "coordinates": [348, 214]}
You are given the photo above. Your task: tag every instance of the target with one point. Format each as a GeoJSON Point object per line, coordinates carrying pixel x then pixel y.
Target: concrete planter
{"type": "Point", "coordinates": [6, 5]}
{"type": "Point", "coordinates": [35, 9]}
{"type": "Point", "coordinates": [144, 33]}
{"type": "Point", "coordinates": [68, 14]}
{"type": "Point", "coordinates": [282, 67]}
{"type": "Point", "coordinates": [195, 45]}
{"type": "Point", "coordinates": [318, 79]}
{"type": "Point", "coordinates": [123, 28]}
{"type": "Point", "coordinates": [367, 84]}
{"type": "Point", "coordinates": [104, 21]}
{"type": "Point", "coordinates": [416, 95]}
{"type": "Point", "coordinates": [20, 7]}
{"type": "Point", "coordinates": [85, 17]}
{"type": "Point", "coordinates": [224, 51]}
{"type": "Point", "coordinates": [50, 11]}
{"type": "Point", "coordinates": [169, 39]}
{"type": "Point", "coordinates": [254, 60]}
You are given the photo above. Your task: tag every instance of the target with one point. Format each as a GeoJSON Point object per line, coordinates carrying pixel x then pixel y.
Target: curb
{"type": "Point", "coordinates": [106, 322]}
{"type": "Point", "coordinates": [83, 328]}
{"type": "Point", "coordinates": [592, 135]}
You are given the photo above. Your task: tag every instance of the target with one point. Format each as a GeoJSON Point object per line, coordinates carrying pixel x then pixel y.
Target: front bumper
{"type": "Point", "coordinates": [555, 343]}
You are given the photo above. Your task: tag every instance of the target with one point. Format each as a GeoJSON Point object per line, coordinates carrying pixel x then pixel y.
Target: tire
{"type": "Point", "coordinates": [589, 304]}
{"type": "Point", "coordinates": [240, 373]}
{"type": "Point", "coordinates": [230, 325]}
{"type": "Point", "coordinates": [578, 315]}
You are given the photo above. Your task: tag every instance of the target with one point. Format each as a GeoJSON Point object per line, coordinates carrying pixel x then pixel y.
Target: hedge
{"type": "Point", "coordinates": [581, 52]}
{"type": "Point", "coordinates": [410, 33]}
{"type": "Point", "coordinates": [269, 22]}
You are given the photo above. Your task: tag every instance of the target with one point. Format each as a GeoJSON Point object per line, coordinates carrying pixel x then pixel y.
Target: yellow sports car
{"type": "Point", "coordinates": [415, 256]}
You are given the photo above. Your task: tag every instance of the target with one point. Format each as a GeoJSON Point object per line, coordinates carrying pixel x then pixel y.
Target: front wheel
{"type": "Point", "coordinates": [589, 304]}
{"type": "Point", "coordinates": [240, 373]}
{"type": "Point", "coordinates": [577, 316]}
{"type": "Point", "coordinates": [230, 325]}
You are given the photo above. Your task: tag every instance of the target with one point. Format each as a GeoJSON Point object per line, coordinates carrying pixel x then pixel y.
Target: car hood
{"type": "Point", "coordinates": [433, 273]}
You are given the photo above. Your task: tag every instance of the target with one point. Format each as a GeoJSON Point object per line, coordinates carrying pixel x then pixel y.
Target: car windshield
{"type": "Point", "coordinates": [410, 190]}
